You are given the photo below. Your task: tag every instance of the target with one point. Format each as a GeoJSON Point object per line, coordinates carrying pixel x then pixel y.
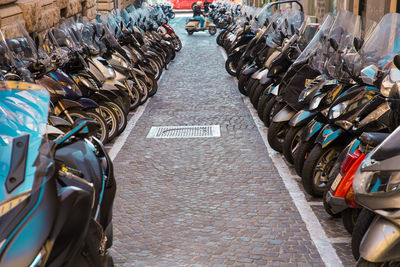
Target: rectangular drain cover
{"type": "Point", "coordinates": [184, 131]}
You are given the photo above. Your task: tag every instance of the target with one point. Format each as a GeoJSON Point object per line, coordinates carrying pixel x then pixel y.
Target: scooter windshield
{"type": "Point", "coordinates": [382, 45]}
{"type": "Point", "coordinates": [289, 17]}
{"type": "Point", "coordinates": [23, 119]}
{"type": "Point", "coordinates": [346, 27]}
{"type": "Point", "coordinates": [314, 48]}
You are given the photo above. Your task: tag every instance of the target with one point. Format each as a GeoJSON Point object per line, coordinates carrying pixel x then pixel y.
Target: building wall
{"type": "Point", "coordinates": [29, 12]}
{"type": "Point", "coordinates": [370, 10]}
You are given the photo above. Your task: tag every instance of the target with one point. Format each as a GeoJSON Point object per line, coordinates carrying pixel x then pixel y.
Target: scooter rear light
{"type": "Point", "coordinates": [350, 198]}
{"type": "Point", "coordinates": [347, 180]}
{"type": "Point", "coordinates": [348, 161]}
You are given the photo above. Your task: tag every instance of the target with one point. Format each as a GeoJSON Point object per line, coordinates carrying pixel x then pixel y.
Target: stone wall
{"type": "Point", "coordinates": [29, 12]}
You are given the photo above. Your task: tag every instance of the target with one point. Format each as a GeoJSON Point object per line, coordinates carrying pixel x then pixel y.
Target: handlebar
{"type": "Point", "coordinates": [288, 1]}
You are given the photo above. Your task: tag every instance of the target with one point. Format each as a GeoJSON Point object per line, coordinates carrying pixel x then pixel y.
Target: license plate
{"type": "Point", "coordinates": [336, 182]}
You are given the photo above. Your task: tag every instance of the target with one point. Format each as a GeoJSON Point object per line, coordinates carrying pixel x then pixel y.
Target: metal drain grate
{"type": "Point", "coordinates": [184, 131]}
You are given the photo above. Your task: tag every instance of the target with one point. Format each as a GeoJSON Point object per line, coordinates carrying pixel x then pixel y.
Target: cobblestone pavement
{"type": "Point", "coordinates": [204, 201]}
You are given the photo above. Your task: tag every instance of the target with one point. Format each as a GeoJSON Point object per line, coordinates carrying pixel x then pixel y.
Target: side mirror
{"type": "Point", "coordinates": [334, 44]}
{"type": "Point", "coordinates": [274, 26]}
{"type": "Point", "coordinates": [292, 29]}
{"type": "Point", "coordinates": [286, 24]}
{"type": "Point", "coordinates": [369, 74]}
{"type": "Point", "coordinates": [251, 17]}
{"type": "Point", "coordinates": [256, 19]}
{"type": "Point", "coordinates": [116, 31]}
{"type": "Point", "coordinates": [358, 43]}
{"type": "Point", "coordinates": [396, 61]}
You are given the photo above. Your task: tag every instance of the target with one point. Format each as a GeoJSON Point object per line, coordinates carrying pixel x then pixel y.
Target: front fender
{"type": "Point", "coordinates": [284, 114]}
{"type": "Point", "coordinates": [249, 70]}
{"type": "Point", "coordinates": [99, 97]}
{"type": "Point", "coordinates": [302, 118]}
{"type": "Point", "coordinates": [237, 51]}
{"type": "Point", "coordinates": [328, 134]}
{"type": "Point", "coordinates": [66, 104]}
{"type": "Point", "coordinates": [260, 73]}
{"type": "Point", "coordinates": [87, 103]}
{"type": "Point", "coordinates": [265, 80]}
{"type": "Point", "coordinates": [381, 241]}
{"type": "Point", "coordinates": [311, 131]}
{"type": "Point", "coordinates": [139, 72]}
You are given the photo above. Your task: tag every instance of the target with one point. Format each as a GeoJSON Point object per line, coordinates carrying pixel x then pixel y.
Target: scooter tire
{"type": "Point", "coordinates": [262, 103]}
{"type": "Point", "coordinates": [301, 155]}
{"type": "Point", "coordinates": [276, 134]}
{"type": "Point", "coordinates": [122, 117]}
{"type": "Point", "coordinates": [311, 186]}
{"type": "Point", "coordinates": [349, 218]}
{"type": "Point", "coordinates": [291, 143]}
{"type": "Point", "coordinates": [242, 82]}
{"type": "Point", "coordinates": [250, 86]}
{"type": "Point", "coordinates": [257, 92]}
{"type": "Point", "coordinates": [271, 109]}
{"type": "Point", "coordinates": [325, 202]}
{"type": "Point", "coordinates": [110, 117]}
{"type": "Point", "coordinates": [212, 31]}
{"type": "Point", "coordinates": [229, 66]}
{"type": "Point", "coordinates": [363, 222]}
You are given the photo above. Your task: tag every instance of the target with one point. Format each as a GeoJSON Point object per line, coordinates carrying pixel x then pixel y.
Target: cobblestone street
{"type": "Point", "coordinates": [209, 201]}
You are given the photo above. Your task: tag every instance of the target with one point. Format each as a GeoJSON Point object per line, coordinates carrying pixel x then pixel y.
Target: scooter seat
{"type": "Point", "coordinates": [194, 20]}
{"type": "Point", "coordinates": [373, 139]}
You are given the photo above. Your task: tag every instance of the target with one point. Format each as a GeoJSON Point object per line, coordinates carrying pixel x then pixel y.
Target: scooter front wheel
{"type": "Point", "coordinates": [212, 30]}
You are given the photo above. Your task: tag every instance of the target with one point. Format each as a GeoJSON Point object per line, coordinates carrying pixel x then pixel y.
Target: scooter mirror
{"type": "Point", "coordinates": [274, 25]}
{"type": "Point", "coordinates": [358, 43]}
{"type": "Point", "coordinates": [396, 61]}
{"type": "Point", "coordinates": [251, 17]}
{"type": "Point", "coordinates": [266, 23]}
{"type": "Point", "coordinates": [334, 44]}
{"type": "Point", "coordinates": [286, 24]}
{"type": "Point", "coordinates": [292, 29]}
{"type": "Point", "coordinates": [256, 19]}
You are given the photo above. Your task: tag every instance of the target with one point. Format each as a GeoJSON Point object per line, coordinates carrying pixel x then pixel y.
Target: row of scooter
{"type": "Point", "coordinates": [329, 95]}
{"type": "Point", "coordinates": [58, 183]}
{"type": "Point", "coordinates": [223, 13]}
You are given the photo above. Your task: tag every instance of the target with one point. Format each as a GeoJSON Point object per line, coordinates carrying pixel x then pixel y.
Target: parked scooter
{"type": "Point", "coordinates": [53, 212]}
{"type": "Point", "coordinates": [193, 26]}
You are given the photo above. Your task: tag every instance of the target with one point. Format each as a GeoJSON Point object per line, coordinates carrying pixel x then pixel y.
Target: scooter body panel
{"type": "Point", "coordinates": [301, 118]}
{"type": "Point", "coordinates": [284, 114]}
{"type": "Point", "coordinates": [312, 130]}
{"type": "Point", "coordinates": [329, 134]}
{"type": "Point", "coordinates": [381, 243]}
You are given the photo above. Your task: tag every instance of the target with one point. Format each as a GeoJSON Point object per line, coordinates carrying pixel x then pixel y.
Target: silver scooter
{"type": "Point", "coordinates": [377, 188]}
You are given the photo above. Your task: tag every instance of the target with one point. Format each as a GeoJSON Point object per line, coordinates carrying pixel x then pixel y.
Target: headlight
{"type": "Point", "coordinates": [337, 110]}
{"type": "Point", "coordinates": [387, 84]}
{"type": "Point", "coordinates": [316, 101]}
{"type": "Point", "coordinates": [344, 124]}
{"type": "Point", "coordinates": [374, 182]}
